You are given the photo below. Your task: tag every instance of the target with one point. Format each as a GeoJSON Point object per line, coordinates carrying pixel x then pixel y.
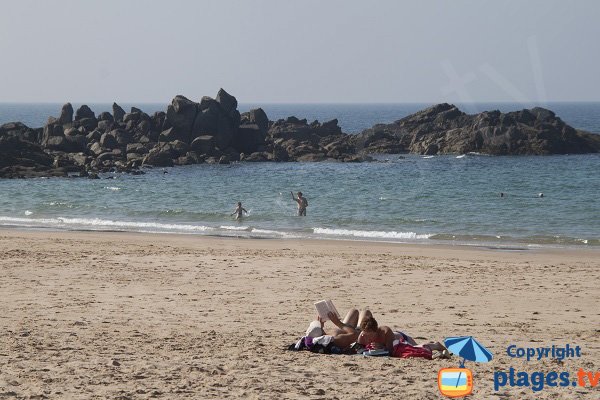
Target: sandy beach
{"type": "Point", "coordinates": [131, 316]}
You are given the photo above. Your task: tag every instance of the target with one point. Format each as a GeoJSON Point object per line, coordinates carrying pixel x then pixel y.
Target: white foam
{"type": "Point", "coordinates": [235, 228]}
{"type": "Point", "coordinates": [371, 234]}
{"type": "Point", "coordinates": [115, 188]}
{"type": "Point", "coordinates": [27, 212]}
{"type": "Point", "coordinates": [102, 223]}
{"type": "Point", "coordinates": [268, 232]}
{"type": "Point", "coordinates": [461, 156]}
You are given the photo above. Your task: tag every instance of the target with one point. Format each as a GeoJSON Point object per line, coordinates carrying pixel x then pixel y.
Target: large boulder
{"type": "Point", "coordinates": [21, 159]}
{"type": "Point", "coordinates": [249, 138]}
{"type": "Point", "coordinates": [67, 144]}
{"type": "Point", "coordinates": [108, 141]}
{"type": "Point", "coordinates": [300, 129]}
{"type": "Point", "coordinates": [66, 114]}
{"type": "Point", "coordinates": [207, 119]}
{"type": "Point", "coordinates": [160, 156]}
{"type": "Point", "coordinates": [118, 112]}
{"type": "Point", "coordinates": [203, 145]}
{"type": "Point", "coordinates": [20, 131]}
{"type": "Point", "coordinates": [227, 102]}
{"type": "Point", "coordinates": [84, 112]}
{"type": "Point", "coordinates": [226, 129]}
{"type": "Point", "coordinates": [105, 116]}
{"type": "Point", "coordinates": [181, 114]}
{"type": "Point", "coordinates": [258, 117]}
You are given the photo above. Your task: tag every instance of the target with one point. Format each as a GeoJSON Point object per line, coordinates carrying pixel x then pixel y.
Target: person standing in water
{"type": "Point", "coordinates": [302, 204]}
{"type": "Point", "coordinates": [239, 211]}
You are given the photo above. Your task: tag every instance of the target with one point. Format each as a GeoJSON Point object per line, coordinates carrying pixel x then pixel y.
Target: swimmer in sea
{"type": "Point", "coordinates": [302, 204]}
{"type": "Point", "coordinates": [239, 211]}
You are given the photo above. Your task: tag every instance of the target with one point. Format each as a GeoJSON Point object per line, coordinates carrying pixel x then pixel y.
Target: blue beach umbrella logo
{"type": "Point", "coordinates": [458, 382]}
{"type": "Point", "coordinates": [468, 348]}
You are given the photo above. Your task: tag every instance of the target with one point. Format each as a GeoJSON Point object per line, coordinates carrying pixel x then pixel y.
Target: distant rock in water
{"type": "Point", "coordinates": [213, 131]}
{"type": "Point", "coordinates": [444, 129]}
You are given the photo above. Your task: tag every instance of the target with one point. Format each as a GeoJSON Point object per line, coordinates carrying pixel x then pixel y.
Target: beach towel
{"type": "Point", "coordinates": [404, 350]}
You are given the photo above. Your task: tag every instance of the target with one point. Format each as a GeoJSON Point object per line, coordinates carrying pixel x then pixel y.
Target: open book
{"type": "Point", "coordinates": [325, 306]}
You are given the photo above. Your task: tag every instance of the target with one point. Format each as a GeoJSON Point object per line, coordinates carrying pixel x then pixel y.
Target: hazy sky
{"type": "Point", "coordinates": [300, 51]}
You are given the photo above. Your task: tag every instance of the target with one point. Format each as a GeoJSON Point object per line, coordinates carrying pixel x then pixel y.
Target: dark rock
{"type": "Point", "coordinates": [312, 157]}
{"type": "Point", "coordinates": [105, 116]}
{"type": "Point", "coordinates": [256, 157]}
{"type": "Point", "coordinates": [169, 135]}
{"type": "Point", "coordinates": [227, 102]}
{"type": "Point", "coordinates": [108, 141]}
{"type": "Point", "coordinates": [181, 114]}
{"type": "Point", "coordinates": [106, 125]}
{"type": "Point", "coordinates": [118, 112]}
{"type": "Point", "coordinates": [19, 158]}
{"type": "Point", "coordinates": [160, 156]}
{"type": "Point", "coordinates": [249, 138]}
{"type": "Point", "coordinates": [123, 137]}
{"type": "Point", "coordinates": [294, 128]}
{"type": "Point", "coordinates": [20, 131]}
{"type": "Point", "coordinates": [280, 154]}
{"type": "Point", "coordinates": [206, 122]}
{"type": "Point", "coordinates": [89, 124]}
{"type": "Point", "coordinates": [444, 129]}
{"type": "Point", "coordinates": [203, 144]}
{"type": "Point", "coordinates": [66, 114]}
{"type": "Point", "coordinates": [257, 117]}
{"type": "Point", "coordinates": [137, 148]}
{"type": "Point", "coordinates": [226, 129]}
{"type": "Point", "coordinates": [195, 157]}
{"type": "Point", "coordinates": [132, 117]}
{"type": "Point", "coordinates": [143, 127]}
{"type": "Point", "coordinates": [179, 148]}
{"type": "Point", "coordinates": [84, 112]}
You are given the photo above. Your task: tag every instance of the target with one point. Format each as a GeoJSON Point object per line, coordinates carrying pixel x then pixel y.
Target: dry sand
{"type": "Point", "coordinates": [128, 316]}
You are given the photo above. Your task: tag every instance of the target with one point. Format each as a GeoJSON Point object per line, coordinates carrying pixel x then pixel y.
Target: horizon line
{"type": "Point", "coordinates": [315, 103]}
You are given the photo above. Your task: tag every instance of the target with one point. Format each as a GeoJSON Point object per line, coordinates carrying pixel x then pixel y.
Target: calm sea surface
{"type": "Point", "coordinates": [448, 199]}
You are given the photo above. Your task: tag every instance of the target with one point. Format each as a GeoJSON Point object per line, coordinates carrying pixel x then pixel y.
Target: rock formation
{"type": "Point", "coordinates": [444, 129]}
{"type": "Point", "coordinates": [82, 143]}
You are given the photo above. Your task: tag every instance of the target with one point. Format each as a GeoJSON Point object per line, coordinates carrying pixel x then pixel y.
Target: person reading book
{"type": "Point", "coordinates": [345, 332]}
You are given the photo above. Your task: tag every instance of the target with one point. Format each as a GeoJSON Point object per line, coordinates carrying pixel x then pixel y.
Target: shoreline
{"type": "Point", "coordinates": [194, 239]}
{"type": "Point", "coordinates": [509, 245]}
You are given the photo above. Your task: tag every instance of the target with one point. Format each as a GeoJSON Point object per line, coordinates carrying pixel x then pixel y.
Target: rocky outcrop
{"type": "Point", "coordinates": [23, 159]}
{"type": "Point", "coordinates": [212, 130]}
{"type": "Point", "coordinates": [444, 129]}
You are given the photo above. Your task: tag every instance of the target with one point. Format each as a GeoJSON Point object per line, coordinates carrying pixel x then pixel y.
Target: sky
{"type": "Point", "coordinates": [309, 51]}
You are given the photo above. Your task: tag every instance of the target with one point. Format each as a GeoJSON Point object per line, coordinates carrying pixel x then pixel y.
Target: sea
{"type": "Point", "coordinates": [450, 199]}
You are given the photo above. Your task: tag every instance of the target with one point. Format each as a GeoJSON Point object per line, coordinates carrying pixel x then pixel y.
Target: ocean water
{"type": "Point", "coordinates": [409, 198]}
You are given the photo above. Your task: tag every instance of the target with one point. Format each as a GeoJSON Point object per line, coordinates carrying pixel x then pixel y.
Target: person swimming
{"type": "Point", "coordinates": [302, 204]}
{"type": "Point", "coordinates": [239, 211]}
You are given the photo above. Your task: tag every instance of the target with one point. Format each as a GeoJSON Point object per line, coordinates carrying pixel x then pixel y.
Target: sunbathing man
{"type": "Point", "coordinates": [397, 344]}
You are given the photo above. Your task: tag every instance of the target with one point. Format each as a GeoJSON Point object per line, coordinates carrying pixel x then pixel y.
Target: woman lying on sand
{"type": "Point", "coordinates": [375, 337]}
{"type": "Point", "coordinates": [363, 329]}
